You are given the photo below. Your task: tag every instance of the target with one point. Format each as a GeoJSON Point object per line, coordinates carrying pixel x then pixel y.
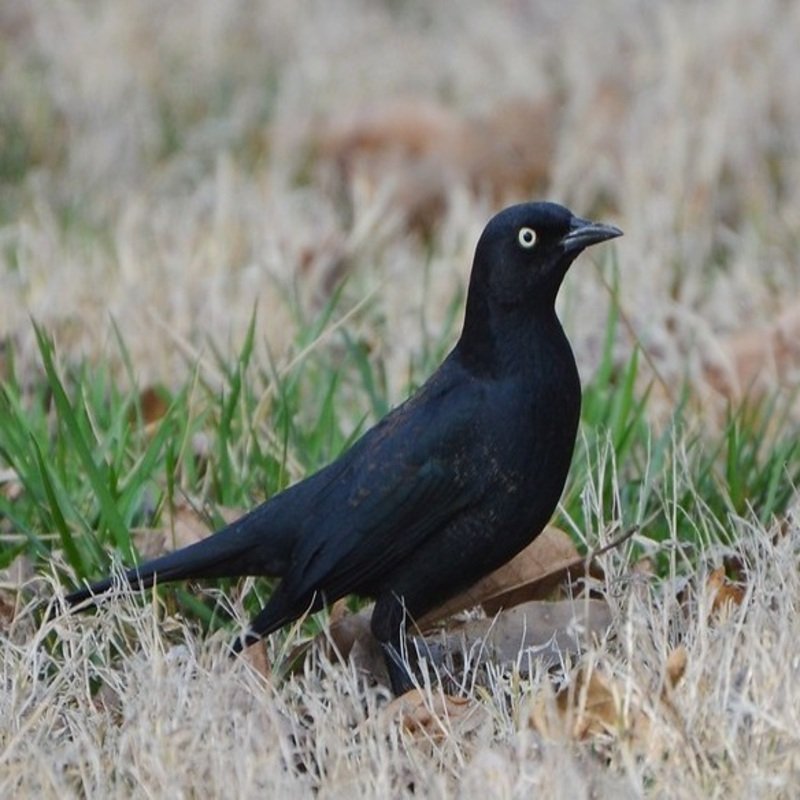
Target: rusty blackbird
{"type": "Point", "coordinates": [449, 485]}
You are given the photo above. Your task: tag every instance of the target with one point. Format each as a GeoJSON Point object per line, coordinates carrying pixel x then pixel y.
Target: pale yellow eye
{"type": "Point", "coordinates": [526, 237]}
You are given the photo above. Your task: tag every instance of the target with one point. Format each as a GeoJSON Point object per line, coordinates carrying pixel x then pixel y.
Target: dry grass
{"type": "Point", "coordinates": [160, 165]}
{"type": "Point", "coordinates": [129, 704]}
{"type": "Point", "coordinates": [168, 180]}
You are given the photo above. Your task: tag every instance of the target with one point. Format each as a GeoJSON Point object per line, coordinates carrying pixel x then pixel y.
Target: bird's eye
{"type": "Point", "coordinates": [526, 237]}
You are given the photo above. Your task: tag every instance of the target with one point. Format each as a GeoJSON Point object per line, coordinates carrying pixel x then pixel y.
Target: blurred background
{"type": "Point", "coordinates": [169, 166]}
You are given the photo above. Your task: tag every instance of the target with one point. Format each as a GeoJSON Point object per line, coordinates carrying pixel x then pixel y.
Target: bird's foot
{"type": "Point", "coordinates": [399, 669]}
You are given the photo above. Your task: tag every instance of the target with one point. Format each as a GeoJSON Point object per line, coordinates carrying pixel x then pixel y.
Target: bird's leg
{"type": "Point", "coordinates": [389, 628]}
{"type": "Point", "coordinates": [399, 675]}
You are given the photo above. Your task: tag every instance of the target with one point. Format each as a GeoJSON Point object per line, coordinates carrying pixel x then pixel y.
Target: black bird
{"type": "Point", "coordinates": [449, 485]}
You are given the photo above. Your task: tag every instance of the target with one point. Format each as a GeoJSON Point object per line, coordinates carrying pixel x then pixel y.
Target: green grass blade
{"type": "Point", "coordinates": [71, 550]}
{"type": "Point", "coordinates": [97, 479]}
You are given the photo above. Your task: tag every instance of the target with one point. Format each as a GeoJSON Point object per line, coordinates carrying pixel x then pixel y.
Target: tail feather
{"type": "Point", "coordinates": [246, 547]}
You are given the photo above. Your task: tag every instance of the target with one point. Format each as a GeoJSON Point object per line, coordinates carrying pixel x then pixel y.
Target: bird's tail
{"type": "Point", "coordinates": [249, 546]}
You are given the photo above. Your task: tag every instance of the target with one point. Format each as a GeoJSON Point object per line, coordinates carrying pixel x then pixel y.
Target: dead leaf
{"type": "Point", "coordinates": [367, 657]}
{"type": "Point", "coordinates": [535, 572]}
{"type": "Point", "coordinates": [411, 126]}
{"type": "Point", "coordinates": [588, 706]}
{"type": "Point", "coordinates": [598, 704]}
{"type": "Point", "coordinates": [256, 657]}
{"type": "Point", "coordinates": [7, 610]}
{"type": "Point", "coordinates": [676, 665]}
{"type": "Point", "coordinates": [510, 151]}
{"type": "Point", "coordinates": [348, 636]}
{"type": "Point", "coordinates": [423, 147]}
{"type": "Point", "coordinates": [530, 575]}
{"type": "Point", "coordinates": [724, 592]}
{"type": "Point", "coordinates": [339, 611]}
{"type": "Point", "coordinates": [551, 631]}
{"type": "Point", "coordinates": [433, 720]}
{"type": "Point", "coordinates": [346, 629]}
{"type": "Point", "coordinates": [187, 526]}
{"type": "Point", "coordinates": [154, 405]}
{"type": "Point", "coordinates": [592, 706]}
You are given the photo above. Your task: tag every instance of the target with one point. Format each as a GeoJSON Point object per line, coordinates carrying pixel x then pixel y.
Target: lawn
{"type": "Point", "coordinates": [232, 236]}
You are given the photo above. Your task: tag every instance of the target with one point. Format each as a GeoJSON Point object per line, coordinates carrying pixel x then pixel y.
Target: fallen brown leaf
{"type": "Point", "coordinates": [346, 633]}
{"type": "Point", "coordinates": [186, 526]}
{"type": "Point", "coordinates": [676, 665]}
{"type": "Point", "coordinates": [599, 704]}
{"type": "Point", "coordinates": [7, 610]}
{"type": "Point", "coordinates": [552, 630]}
{"type": "Point", "coordinates": [594, 705]}
{"type": "Point", "coordinates": [346, 629]}
{"type": "Point", "coordinates": [154, 405]}
{"type": "Point", "coordinates": [433, 720]}
{"type": "Point", "coordinates": [588, 706]}
{"type": "Point", "coordinates": [410, 126]}
{"type": "Point", "coordinates": [510, 150]}
{"type": "Point", "coordinates": [339, 611]}
{"type": "Point", "coordinates": [532, 574]}
{"type": "Point", "coordinates": [256, 657]}
{"type": "Point", "coordinates": [424, 147]}
{"type": "Point", "coordinates": [724, 592]}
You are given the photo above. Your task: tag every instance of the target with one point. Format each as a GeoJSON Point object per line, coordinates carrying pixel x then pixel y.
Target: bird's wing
{"type": "Point", "coordinates": [401, 488]}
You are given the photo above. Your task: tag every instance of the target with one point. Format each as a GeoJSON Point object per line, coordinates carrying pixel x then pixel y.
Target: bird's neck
{"type": "Point", "coordinates": [506, 341]}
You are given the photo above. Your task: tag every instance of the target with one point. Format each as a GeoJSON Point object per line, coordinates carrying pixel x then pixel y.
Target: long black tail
{"type": "Point", "coordinates": [256, 544]}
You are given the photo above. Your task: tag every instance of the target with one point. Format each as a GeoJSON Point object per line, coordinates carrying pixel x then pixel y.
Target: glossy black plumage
{"type": "Point", "coordinates": [449, 485]}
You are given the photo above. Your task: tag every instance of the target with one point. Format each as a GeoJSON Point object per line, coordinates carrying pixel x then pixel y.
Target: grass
{"type": "Point", "coordinates": [200, 304]}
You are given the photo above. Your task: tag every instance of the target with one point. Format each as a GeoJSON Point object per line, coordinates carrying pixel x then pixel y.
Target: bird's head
{"type": "Point", "coordinates": [525, 251]}
{"type": "Point", "coordinates": [521, 259]}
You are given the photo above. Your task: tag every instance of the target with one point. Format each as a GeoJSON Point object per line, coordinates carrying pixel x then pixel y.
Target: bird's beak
{"type": "Point", "coordinates": [583, 233]}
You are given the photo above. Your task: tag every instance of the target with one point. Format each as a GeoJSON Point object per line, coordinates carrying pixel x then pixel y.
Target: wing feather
{"type": "Point", "coordinates": [402, 486]}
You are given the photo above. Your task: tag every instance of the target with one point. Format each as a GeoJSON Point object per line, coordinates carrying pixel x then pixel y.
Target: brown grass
{"type": "Point", "coordinates": [129, 704]}
{"type": "Point", "coordinates": [171, 179]}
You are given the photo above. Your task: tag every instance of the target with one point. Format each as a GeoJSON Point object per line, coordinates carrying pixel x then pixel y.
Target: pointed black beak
{"type": "Point", "coordinates": [583, 233]}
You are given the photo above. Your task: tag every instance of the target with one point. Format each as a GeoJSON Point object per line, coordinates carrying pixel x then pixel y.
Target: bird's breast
{"type": "Point", "coordinates": [528, 436]}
